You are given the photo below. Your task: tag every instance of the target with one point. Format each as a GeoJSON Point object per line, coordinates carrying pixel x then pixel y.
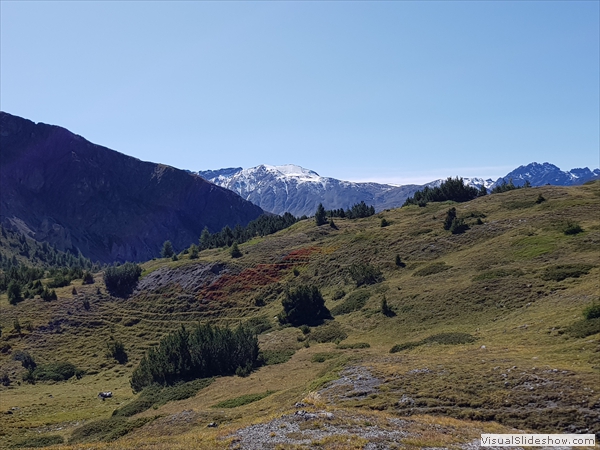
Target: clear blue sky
{"type": "Point", "coordinates": [385, 91]}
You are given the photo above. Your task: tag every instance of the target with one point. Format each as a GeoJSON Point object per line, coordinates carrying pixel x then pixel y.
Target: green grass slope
{"type": "Point", "coordinates": [486, 329]}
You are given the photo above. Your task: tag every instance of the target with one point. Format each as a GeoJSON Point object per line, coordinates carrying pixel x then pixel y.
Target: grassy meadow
{"type": "Point", "coordinates": [486, 326]}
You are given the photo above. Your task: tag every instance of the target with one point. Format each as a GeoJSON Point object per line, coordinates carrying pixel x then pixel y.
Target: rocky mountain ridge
{"type": "Point", "coordinates": [59, 188]}
{"type": "Point", "coordinates": [294, 189]}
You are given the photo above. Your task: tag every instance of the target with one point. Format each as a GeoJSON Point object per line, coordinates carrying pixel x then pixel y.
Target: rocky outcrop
{"type": "Point", "coordinates": [60, 188]}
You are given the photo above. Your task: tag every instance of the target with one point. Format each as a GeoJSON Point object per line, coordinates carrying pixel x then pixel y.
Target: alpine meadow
{"type": "Point", "coordinates": [394, 329]}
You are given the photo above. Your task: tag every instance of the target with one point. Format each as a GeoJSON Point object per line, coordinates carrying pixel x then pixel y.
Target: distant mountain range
{"type": "Point", "coordinates": [59, 188]}
{"type": "Point", "coordinates": [294, 189]}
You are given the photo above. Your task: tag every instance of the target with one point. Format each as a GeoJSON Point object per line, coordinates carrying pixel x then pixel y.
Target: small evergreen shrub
{"type": "Point", "coordinates": [193, 251]}
{"type": "Point", "coordinates": [272, 357]}
{"type": "Point", "coordinates": [540, 199]}
{"type": "Point", "coordinates": [562, 272]}
{"type": "Point", "coordinates": [14, 293]}
{"type": "Point", "coordinates": [398, 261]}
{"type": "Point", "coordinates": [354, 346]}
{"type": "Point", "coordinates": [39, 441]}
{"type": "Point", "coordinates": [449, 219]}
{"type": "Point", "coordinates": [235, 251]}
{"type": "Point", "coordinates": [364, 273]}
{"type": "Point", "coordinates": [384, 223]}
{"type": "Point", "coordinates": [330, 332]}
{"type": "Point", "coordinates": [304, 306]}
{"type": "Point", "coordinates": [121, 280]}
{"type": "Point", "coordinates": [592, 312]}
{"type": "Point", "coordinates": [259, 324]}
{"type": "Point", "coordinates": [167, 250]}
{"type": "Point", "coordinates": [88, 278]}
{"type": "Point", "coordinates": [572, 228]}
{"type": "Point", "coordinates": [59, 371]}
{"type": "Point", "coordinates": [116, 349]}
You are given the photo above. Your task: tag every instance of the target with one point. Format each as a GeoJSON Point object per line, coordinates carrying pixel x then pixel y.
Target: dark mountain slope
{"type": "Point", "coordinates": [60, 188]}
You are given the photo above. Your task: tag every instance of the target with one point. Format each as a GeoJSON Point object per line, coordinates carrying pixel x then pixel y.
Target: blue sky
{"type": "Point", "coordinates": [384, 91]}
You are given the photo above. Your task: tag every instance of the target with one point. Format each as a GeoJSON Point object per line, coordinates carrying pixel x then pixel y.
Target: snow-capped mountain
{"type": "Point", "coordinates": [294, 189]}
{"type": "Point", "coordinates": [540, 174]}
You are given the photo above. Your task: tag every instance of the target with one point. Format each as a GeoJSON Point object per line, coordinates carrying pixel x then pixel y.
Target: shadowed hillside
{"type": "Point", "coordinates": [59, 188]}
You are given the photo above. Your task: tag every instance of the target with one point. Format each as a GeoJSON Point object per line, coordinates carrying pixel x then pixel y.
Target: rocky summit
{"type": "Point", "coordinates": [59, 188]}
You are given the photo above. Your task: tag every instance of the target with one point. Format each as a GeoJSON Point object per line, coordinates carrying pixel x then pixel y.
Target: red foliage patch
{"type": "Point", "coordinates": [255, 277]}
{"type": "Point", "coordinates": [301, 256]}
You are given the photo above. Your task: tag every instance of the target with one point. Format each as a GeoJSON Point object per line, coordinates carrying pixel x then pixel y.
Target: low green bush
{"type": "Point", "coordinates": [499, 273]}
{"type": "Point", "coordinates": [406, 346]}
{"type": "Point", "coordinates": [272, 357]}
{"type": "Point", "coordinates": [584, 328]}
{"type": "Point", "coordinates": [158, 395]}
{"type": "Point", "coordinates": [106, 430]}
{"type": "Point", "coordinates": [364, 273]}
{"type": "Point", "coordinates": [259, 324]}
{"type": "Point", "coordinates": [59, 371]}
{"type": "Point", "coordinates": [354, 346]}
{"type": "Point", "coordinates": [592, 312]}
{"type": "Point", "coordinates": [562, 272]}
{"type": "Point", "coordinates": [39, 441]}
{"type": "Point", "coordinates": [355, 301]}
{"type": "Point", "coordinates": [572, 228]}
{"type": "Point", "coordinates": [330, 332]}
{"type": "Point", "coordinates": [322, 357]}
{"type": "Point", "coordinates": [243, 400]}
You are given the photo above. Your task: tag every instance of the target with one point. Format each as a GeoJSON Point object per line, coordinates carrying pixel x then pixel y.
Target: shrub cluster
{"type": "Point", "coordinates": [303, 306]}
{"type": "Point", "coordinates": [121, 280]}
{"type": "Point", "coordinates": [203, 352]}
{"type": "Point", "coordinates": [453, 189]}
{"type": "Point", "coordinates": [364, 273]}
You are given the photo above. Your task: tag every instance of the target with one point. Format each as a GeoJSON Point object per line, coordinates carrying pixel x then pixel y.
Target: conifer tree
{"type": "Point", "coordinates": [235, 251]}
{"type": "Point", "coordinates": [320, 215]}
{"type": "Point", "coordinates": [167, 250]}
{"type": "Point", "coordinates": [450, 216]}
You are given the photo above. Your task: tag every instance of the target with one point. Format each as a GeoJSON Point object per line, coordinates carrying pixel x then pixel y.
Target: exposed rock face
{"type": "Point", "coordinates": [58, 187]}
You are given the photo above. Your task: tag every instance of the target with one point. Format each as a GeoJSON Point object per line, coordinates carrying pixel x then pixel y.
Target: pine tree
{"type": "Point", "coordinates": [450, 216]}
{"type": "Point", "coordinates": [482, 191]}
{"type": "Point", "coordinates": [235, 251]}
{"type": "Point", "coordinates": [193, 251]}
{"type": "Point", "coordinates": [167, 250]}
{"type": "Point", "coordinates": [320, 215]}
{"type": "Point", "coordinates": [205, 239]}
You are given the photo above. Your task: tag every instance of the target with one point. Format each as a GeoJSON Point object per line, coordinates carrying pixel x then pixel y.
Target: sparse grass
{"type": "Point", "coordinates": [242, 400]}
{"type": "Point", "coordinates": [431, 269]}
{"type": "Point", "coordinates": [322, 357]}
{"type": "Point", "coordinates": [106, 429]}
{"type": "Point", "coordinates": [498, 273]}
{"type": "Point", "coordinates": [442, 338]}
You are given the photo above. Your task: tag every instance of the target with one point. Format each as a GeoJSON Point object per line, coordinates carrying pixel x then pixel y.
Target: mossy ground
{"type": "Point", "coordinates": [524, 369]}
